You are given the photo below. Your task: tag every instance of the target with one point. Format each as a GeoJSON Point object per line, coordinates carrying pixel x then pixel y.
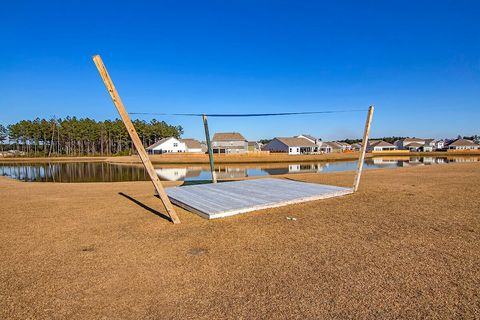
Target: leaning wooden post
{"type": "Point", "coordinates": [210, 151]}
{"type": "Point", "coordinates": [135, 139]}
{"type": "Point", "coordinates": [363, 149]}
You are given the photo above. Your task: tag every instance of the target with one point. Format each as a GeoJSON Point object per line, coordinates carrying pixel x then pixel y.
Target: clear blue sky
{"type": "Point", "coordinates": [418, 62]}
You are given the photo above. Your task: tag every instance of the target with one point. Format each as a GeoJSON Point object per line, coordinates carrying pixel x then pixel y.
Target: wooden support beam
{"type": "Point", "coordinates": [135, 139]}
{"type": "Point", "coordinates": [210, 151]}
{"type": "Point", "coordinates": [363, 149]}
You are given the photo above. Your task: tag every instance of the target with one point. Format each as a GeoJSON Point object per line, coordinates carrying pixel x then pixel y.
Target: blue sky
{"type": "Point", "coordinates": [418, 62]}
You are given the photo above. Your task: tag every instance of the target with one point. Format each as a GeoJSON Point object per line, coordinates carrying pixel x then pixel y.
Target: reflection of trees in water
{"type": "Point", "coordinates": [73, 172]}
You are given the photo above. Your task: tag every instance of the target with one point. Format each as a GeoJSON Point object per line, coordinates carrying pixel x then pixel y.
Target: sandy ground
{"type": "Point", "coordinates": [407, 245]}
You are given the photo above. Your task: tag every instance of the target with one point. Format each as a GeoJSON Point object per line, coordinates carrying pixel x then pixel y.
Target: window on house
{"type": "Point", "coordinates": [175, 144]}
{"type": "Point", "coordinates": [290, 150]}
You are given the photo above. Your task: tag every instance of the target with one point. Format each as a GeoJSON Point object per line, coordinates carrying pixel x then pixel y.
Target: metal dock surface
{"type": "Point", "coordinates": [230, 198]}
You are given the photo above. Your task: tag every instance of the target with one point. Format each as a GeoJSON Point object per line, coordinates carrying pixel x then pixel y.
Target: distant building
{"type": "Point", "coordinates": [323, 147]}
{"type": "Point", "coordinates": [335, 146]}
{"type": "Point", "coordinates": [167, 145]}
{"type": "Point", "coordinates": [380, 145]}
{"type": "Point", "coordinates": [356, 146]}
{"type": "Point", "coordinates": [291, 145]}
{"type": "Point", "coordinates": [192, 145]}
{"type": "Point", "coordinates": [254, 146]}
{"type": "Point", "coordinates": [345, 146]}
{"type": "Point", "coordinates": [463, 144]}
{"type": "Point", "coordinates": [229, 142]}
{"type": "Point", "coordinates": [172, 145]}
{"type": "Point", "coordinates": [417, 144]}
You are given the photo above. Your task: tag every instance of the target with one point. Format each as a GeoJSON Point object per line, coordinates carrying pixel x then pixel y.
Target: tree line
{"type": "Point", "coordinates": [73, 136]}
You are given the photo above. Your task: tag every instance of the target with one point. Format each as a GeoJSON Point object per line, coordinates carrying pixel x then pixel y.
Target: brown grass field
{"type": "Point", "coordinates": [407, 245]}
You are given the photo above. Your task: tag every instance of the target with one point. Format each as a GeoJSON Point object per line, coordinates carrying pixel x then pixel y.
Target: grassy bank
{"type": "Point", "coordinates": [407, 245]}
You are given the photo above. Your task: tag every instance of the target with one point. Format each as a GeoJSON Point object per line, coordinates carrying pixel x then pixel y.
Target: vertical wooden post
{"type": "Point", "coordinates": [363, 149]}
{"type": "Point", "coordinates": [210, 151]}
{"type": "Point", "coordinates": [135, 139]}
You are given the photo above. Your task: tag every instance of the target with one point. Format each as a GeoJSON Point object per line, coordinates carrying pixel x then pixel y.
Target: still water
{"type": "Point", "coordinates": [106, 172]}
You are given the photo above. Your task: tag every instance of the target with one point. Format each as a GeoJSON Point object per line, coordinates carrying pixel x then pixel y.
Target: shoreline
{"type": "Point", "coordinates": [235, 159]}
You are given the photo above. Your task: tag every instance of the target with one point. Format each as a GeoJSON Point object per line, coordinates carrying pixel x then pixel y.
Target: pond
{"type": "Point", "coordinates": [107, 172]}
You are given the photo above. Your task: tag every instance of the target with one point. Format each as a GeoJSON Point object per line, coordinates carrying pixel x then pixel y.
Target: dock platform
{"type": "Point", "coordinates": [225, 199]}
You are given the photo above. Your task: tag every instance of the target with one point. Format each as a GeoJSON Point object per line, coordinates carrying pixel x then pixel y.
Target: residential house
{"type": "Point", "coordinates": [380, 145]}
{"type": "Point", "coordinates": [291, 145]}
{"type": "Point", "coordinates": [167, 145]}
{"type": "Point", "coordinates": [345, 146]}
{"type": "Point", "coordinates": [229, 142]}
{"type": "Point", "coordinates": [323, 147]}
{"type": "Point", "coordinates": [417, 144]}
{"type": "Point", "coordinates": [335, 146]}
{"type": "Point", "coordinates": [411, 144]}
{"type": "Point", "coordinates": [254, 146]}
{"type": "Point", "coordinates": [356, 146]}
{"type": "Point", "coordinates": [463, 144]}
{"type": "Point", "coordinates": [192, 145]}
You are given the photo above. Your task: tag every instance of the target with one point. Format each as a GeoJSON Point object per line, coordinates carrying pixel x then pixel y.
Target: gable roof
{"type": "Point", "coordinates": [333, 145]}
{"type": "Point", "coordinates": [307, 136]}
{"type": "Point", "coordinates": [463, 143]}
{"type": "Point", "coordinates": [191, 143]}
{"type": "Point", "coordinates": [296, 142]}
{"type": "Point", "coordinates": [410, 140]}
{"type": "Point", "coordinates": [380, 143]}
{"type": "Point", "coordinates": [415, 144]}
{"type": "Point", "coordinates": [159, 142]}
{"type": "Point", "coordinates": [228, 136]}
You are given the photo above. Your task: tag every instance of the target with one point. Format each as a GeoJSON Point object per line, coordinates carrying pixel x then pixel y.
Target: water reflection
{"type": "Point", "coordinates": [72, 172]}
{"type": "Point", "coordinates": [105, 172]}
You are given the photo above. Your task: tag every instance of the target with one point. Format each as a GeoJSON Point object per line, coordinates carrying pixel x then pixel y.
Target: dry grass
{"type": "Point", "coordinates": [407, 245]}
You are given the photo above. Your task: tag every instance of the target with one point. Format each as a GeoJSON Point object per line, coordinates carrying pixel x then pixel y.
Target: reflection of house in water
{"type": "Point", "coordinates": [382, 161]}
{"type": "Point", "coordinates": [175, 174]}
{"type": "Point", "coordinates": [230, 172]}
{"type": "Point", "coordinates": [464, 159]}
{"type": "Point", "coordinates": [297, 168]}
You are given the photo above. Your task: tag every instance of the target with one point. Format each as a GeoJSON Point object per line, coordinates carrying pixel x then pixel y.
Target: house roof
{"type": "Point", "coordinates": [228, 136]}
{"type": "Point", "coordinates": [380, 143]}
{"type": "Point", "coordinates": [463, 143]}
{"type": "Point", "coordinates": [334, 145]}
{"type": "Point", "coordinates": [191, 143]}
{"type": "Point", "coordinates": [296, 142]}
{"type": "Point", "coordinates": [252, 143]}
{"type": "Point", "coordinates": [159, 142]}
{"type": "Point", "coordinates": [415, 144]}
{"type": "Point", "coordinates": [309, 137]}
{"type": "Point", "coordinates": [410, 140]}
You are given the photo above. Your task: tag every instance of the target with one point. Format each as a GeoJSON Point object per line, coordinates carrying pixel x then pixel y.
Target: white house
{"type": "Point", "coordinates": [291, 145]}
{"type": "Point", "coordinates": [463, 144]}
{"type": "Point", "coordinates": [167, 145]}
{"type": "Point", "coordinates": [323, 147]}
{"type": "Point", "coordinates": [380, 145]}
{"type": "Point", "coordinates": [417, 144]}
{"type": "Point", "coordinates": [335, 146]}
{"type": "Point", "coordinates": [192, 145]}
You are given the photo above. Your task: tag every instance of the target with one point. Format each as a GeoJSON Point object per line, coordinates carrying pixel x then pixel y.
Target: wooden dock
{"type": "Point", "coordinates": [225, 199]}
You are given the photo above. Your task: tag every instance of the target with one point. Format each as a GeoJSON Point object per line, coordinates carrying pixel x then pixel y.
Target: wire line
{"type": "Point", "coordinates": [246, 114]}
